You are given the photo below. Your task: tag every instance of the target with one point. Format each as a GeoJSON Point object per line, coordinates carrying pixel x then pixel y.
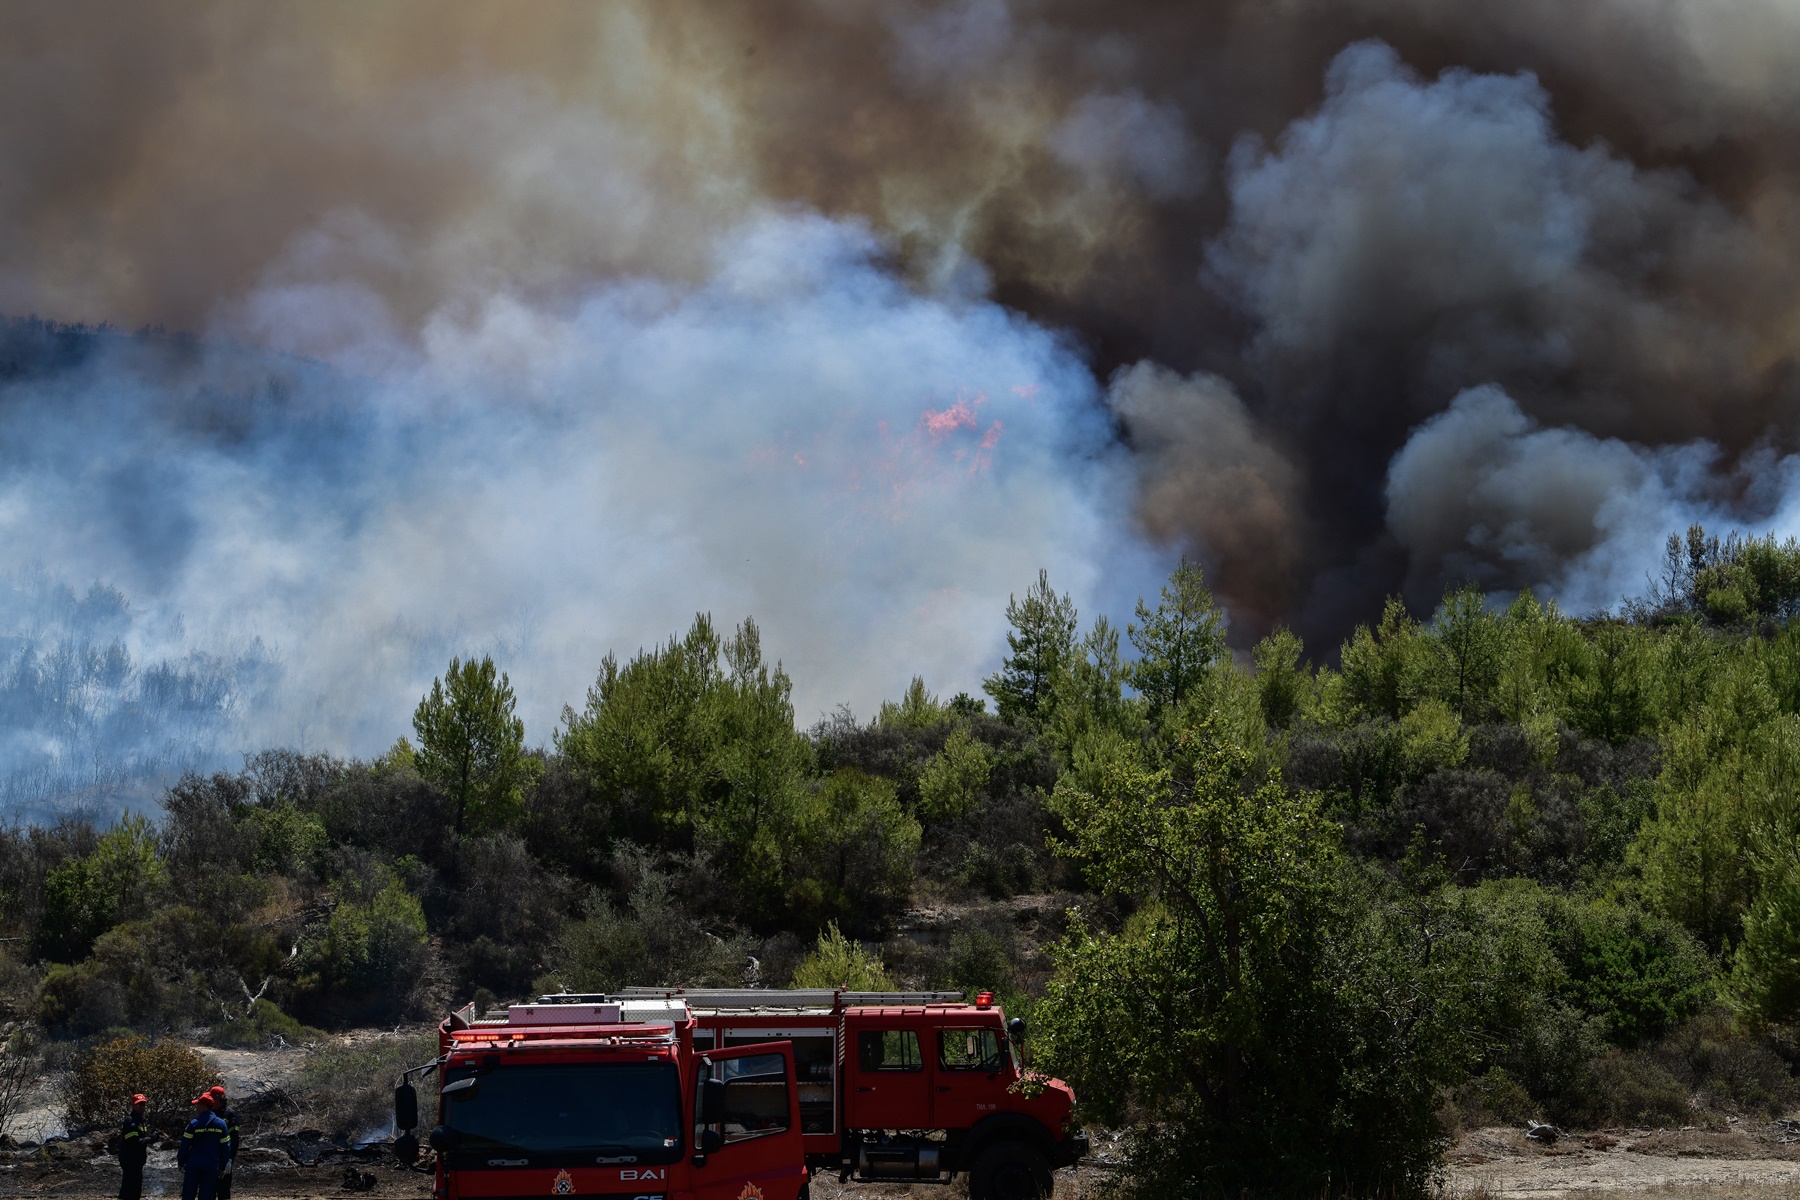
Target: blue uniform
{"type": "Point", "coordinates": [134, 1148]}
{"type": "Point", "coordinates": [205, 1149]}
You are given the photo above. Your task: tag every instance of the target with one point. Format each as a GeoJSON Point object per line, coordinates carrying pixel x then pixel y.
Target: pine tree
{"type": "Point", "coordinates": [1042, 642]}
{"type": "Point", "coordinates": [473, 747]}
{"type": "Point", "coordinates": [1179, 641]}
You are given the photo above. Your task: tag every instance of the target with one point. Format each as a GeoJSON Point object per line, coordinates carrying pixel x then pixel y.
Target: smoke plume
{"type": "Point", "coordinates": [535, 327]}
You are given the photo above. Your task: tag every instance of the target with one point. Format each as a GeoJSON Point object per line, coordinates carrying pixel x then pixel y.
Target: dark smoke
{"type": "Point", "coordinates": [1292, 235]}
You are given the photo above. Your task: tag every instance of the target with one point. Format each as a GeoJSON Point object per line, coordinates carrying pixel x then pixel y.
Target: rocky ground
{"type": "Point", "coordinates": [83, 1168]}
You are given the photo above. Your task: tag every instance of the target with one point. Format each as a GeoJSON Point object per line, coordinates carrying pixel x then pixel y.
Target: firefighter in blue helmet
{"type": "Point", "coordinates": [205, 1149]}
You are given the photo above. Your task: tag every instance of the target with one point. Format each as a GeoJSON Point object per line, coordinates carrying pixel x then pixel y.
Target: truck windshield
{"type": "Point", "coordinates": [565, 1114]}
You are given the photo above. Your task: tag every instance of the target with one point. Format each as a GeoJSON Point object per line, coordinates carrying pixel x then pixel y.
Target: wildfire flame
{"type": "Point", "coordinates": [955, 439]}
{"type": "Point", "coordinates": [938, 424]}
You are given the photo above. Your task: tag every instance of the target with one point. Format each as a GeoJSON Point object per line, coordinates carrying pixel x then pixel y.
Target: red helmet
{"type": "Point", "coordinates": [217, 1091]}
{"type": "Point", "coordinates": [139, 1098]}
{"type": "Point", "coordinates": [205, 1098]}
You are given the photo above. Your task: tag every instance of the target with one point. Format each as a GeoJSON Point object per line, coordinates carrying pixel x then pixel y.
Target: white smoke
{"type": "Point", "coordinates": [867, 471]}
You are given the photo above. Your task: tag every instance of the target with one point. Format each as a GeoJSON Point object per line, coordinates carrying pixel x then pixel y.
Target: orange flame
{"type": "Point", "coordinates": [946, 441]}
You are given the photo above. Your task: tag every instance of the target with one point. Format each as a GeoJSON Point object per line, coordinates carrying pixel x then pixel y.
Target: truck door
{"type": "Point", "coordinates": [815, 1070]}
{"type": "Point", "coordinates": [973, 1072]}
{"type": "Point", "coordinates": [756, 1124]}
{"type": "Point", "coordinates": [886, 1084]}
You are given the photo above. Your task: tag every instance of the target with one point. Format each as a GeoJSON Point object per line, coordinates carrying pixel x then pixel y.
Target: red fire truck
{"type": "Point", "coordinates": [901, 1085]}
{"type": "Point", "coordinates": [619, 1099]}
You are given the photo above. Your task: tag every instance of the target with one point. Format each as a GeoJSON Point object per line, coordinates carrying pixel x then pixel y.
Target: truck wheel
{"type": "Point", "coordinates": [1010, 1171]}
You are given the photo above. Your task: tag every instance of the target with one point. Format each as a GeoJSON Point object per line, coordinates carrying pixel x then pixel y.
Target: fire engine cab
{"type": "Point", "coordinates": [897, 1085]}
{"type": "Point", "coordinates": [616, 1099]}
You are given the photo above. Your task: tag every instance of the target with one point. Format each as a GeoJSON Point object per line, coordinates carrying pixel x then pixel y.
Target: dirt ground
{"type": "Point", "coordinates": [262, 1173]}
{"type": "Point", "coordinates": [1486, 1165]}
{"type": "Point", "coordinates": [97, 1179]}
{"type": "Point", "coordinates": [1752, 1161]}
{"type": "Point", "coordinates": [1489, 1168]}
{"type": "Point", "coordinates": [1746, 1160]}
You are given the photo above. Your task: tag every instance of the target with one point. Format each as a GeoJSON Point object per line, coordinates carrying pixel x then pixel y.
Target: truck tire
{"type": "Point", "coordinates": [1010, 1170]}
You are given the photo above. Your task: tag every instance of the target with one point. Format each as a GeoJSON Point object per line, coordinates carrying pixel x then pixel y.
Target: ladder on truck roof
{"type": "Point", "coordinates": [717, 998]}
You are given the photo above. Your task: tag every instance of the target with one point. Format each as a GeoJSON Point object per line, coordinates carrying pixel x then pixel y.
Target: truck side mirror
{"type": "Point", "coordinates": [462, 1089]}
{"type": "Point", "coordinates": [711, 1141]}
{"type": "Point", "coordinates": [406, 1107]}
{"type": "Point", "coordinates": [1015, 1029]}
{"type": "Point", "coordinates": [406, 1148]}
{"type": "Point", "coordinates": [712, 1101]}
{"type": "Point", "coordinates": [442, 1139]}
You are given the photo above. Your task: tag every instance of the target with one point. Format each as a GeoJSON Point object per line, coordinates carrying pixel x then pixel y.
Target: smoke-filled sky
{"type": "Point", "coordinates": [536, 327]}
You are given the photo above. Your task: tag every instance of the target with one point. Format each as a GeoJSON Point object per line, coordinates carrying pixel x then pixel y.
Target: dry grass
{"type": "Point", "coordinates": [347, 1084]}
{"type": "Point", "coordinates": [1700, 1143]}
{"type": "Point", "coordinates": [1711, 1191]}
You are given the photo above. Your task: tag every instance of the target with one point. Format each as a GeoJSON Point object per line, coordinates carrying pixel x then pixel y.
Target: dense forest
{"type": "Point", "coordinates": [1498, 862]}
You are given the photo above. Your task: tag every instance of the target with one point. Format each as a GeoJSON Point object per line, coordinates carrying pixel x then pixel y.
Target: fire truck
{"type": "Point", "coordinates": [898, 1086]}
{"type": "Point", "coordinates": [620, 1099]}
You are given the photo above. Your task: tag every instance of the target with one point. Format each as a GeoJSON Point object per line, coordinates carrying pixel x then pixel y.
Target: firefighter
{"type": "Point", "coordinates": [227, 1114]}
{"type": "Point", "coordinates": [134, 1148]}
{"type": "Point", "coordinates": [205, 1148]}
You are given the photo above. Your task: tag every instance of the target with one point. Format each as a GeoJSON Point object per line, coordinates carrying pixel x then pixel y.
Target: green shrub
{"type": "Point", "coordinates": [86, 896]}
{"type": "Point", "coordinates": [18, 987]}
{"type": "Point", "coordinates": [503, 916]}
{"type": "Point", "coordinates": [288, 841]}
{"type": "Point", "coordinates": [1492, 1098]}
{"type": "Point", "coordinates": [1728, 1067]}
{"type": "Point", "coordinates": [1306, 1059]}
{"type": "Point", "coordinates": [1707, 1065]}
{"type": "Point", "coordinates": [370, 956]}
{"type": "Point", "coordinates": [606, 951]}
{"type": "Point", "coordinates": [980, 958]}
{"type": "Point", "coordinates": [103, 1077]}
{"type": "Point", "coordinates": [954, 782]}
{"type": "Point", "coordinates": [79, 999]}
{"type": "Point", "coordinates": [919, 709]}
{"type": "Point", "coordinates": [1640, 972]}
{"type": "Point", "coordinates": [1766, 974]}
{"type": "Point", "coordinates": [158, 973]}
{"type": "Point", "coordinates": [1613, 817]}
{"type": "Point", "coordinates": [1628, 975]}
{"type": "Point", "coordinates": [853, 853]}
{"type": "Point", "coordinates": [1726, 604]}
{"type": "Point", "coordinates": [1552, 1054]}
{"type": "Point", "coordinates": [652, 940]}
{"type": "Point", "coordinates": [838, 962]}
{"type": "Point", "coordinates": [263, 1026]}
{"type": "Point", "coordinates": [1629, 1087]}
